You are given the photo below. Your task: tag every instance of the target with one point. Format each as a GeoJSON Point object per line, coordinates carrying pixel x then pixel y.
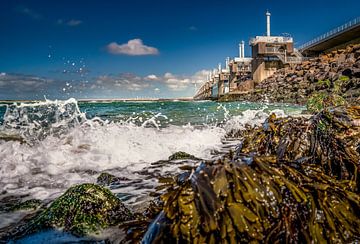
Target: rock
{"type": "Point", "coordinates": [319, 101]}
{"type": "Point", "coordinates": [300, 73]}
{"type": "Point", "coordinates": [356, 73]}
{"type": "Point", "coordinates": [357, 54]}
{"type": "Point", "coordinates": [106, 179]}
{"type": "Point", "coordinates": [347, 72]}
{"type": "Point", "coordinates": [15, 203]}
{"type": "Point", "coordinates": [182, 155]}
{"type": "Point", "coordinates": [81, 210]}
{"type": "Point", "coordinates": [341, 58]}
{"type": "Point", "coordinates": [31, 204]}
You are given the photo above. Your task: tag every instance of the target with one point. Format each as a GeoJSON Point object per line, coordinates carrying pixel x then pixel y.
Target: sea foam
{"type": "Point", "coordinates": [64, 148]}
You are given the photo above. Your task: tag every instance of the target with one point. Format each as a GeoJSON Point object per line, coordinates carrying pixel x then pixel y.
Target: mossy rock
{"type": "Point", "coordinates": [182, 155]}
{"type": "Point", "coordinates": [106, 179]}
{"type": "Point", "coordinates": [31, 204]}
{"type": "Point", "coordinates": [321, 100]}
{"type": "Point", "coordinates": [84, 209]}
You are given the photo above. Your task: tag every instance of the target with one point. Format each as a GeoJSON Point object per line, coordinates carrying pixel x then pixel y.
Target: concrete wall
{"type": "Point", "coordinates": [262, 69]}
{"type": "Point", "coordinates": [260, 48]}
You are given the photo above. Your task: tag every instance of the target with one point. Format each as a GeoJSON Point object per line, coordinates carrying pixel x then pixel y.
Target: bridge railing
{"type": "Point", "coordinates": [332, 32]}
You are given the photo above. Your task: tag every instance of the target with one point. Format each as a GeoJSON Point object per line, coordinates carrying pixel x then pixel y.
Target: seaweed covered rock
{"type": "Point", "coordinates": [81, 210]}
{"type": "Point", "coordinates": [319, 101]}
{"type": "Point", "coordinates": [85, 208]}
{"type": "Point", "coordinates": [292, 180]}
{"type": "Point", "coordinates": [16, 203]}
{"type": "Point", "coordinates": [106, 179]}
{"type": "Point", "coordinates": [182, 155]}
{"type": "Point", "coordinates": [31, 204]}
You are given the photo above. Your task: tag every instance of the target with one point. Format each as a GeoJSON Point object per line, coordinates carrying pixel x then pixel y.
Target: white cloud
{"type": "Point", "coordinates": [132, 82]}
{"type": "Point", "coordinates": [180, 83]}
{"type": "Point", "coordinates": [124, 81]}
{"type": "Point", "coordinates": [134, 47]}
{"type": "Point", "coordinates": [152, 77]}
{"type": "Point", "coordinates": [22, 83]}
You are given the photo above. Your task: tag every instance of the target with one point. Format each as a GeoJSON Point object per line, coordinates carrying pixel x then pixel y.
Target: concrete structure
{"type": "Point", "coordinates": [226, 80]}
{"type": "Point", "coordinates": [239, 69]}
{"type": "Point", "coordinates": [334, 39]}
{"type": "Point", "coordinates": [270, 53]}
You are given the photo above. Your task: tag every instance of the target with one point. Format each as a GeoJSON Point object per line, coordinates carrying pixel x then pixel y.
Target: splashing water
{"type": "Point", "coordinates": [36, 121]}
{"type": "Point", "coordinates": [69, 143]}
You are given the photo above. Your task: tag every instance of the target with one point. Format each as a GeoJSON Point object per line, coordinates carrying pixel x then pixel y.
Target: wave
{"type": "Point", "coordinates": [37, 120]}
{"type": "Point", "coordinates": [65, 148]}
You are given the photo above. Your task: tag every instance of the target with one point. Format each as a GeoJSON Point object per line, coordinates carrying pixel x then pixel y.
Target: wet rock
{"type": "Point", "coordinates": [182, 155]}
{"type": "Point", "coordinates": [81, 210]}
{"type": "Point", "coordinates": [15, 203]}
{"type": "Point", "coordinates": [31, 204]}
{"type": "Point", "coordinates": [106, 179]}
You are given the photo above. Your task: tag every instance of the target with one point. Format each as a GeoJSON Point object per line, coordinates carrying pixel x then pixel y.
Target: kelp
{"type": "Point", "coordinates": [290, 180]}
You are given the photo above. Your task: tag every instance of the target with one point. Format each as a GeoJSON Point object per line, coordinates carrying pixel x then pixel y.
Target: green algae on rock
{"type": "Point", "coordinates": [181, 155]}
{"type": "Point", "coordinates": [31, 204]}
{"type": "Point", "coordinates": [82, 209]}
{"type": "Point", "coordinates": [106, 179]}
{"type": "Point", "coordinates": [320, 100]}
{"type": "Point", "coordinates": [85, 208]}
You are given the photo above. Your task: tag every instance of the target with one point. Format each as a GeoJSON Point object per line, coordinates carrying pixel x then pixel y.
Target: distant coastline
{"type": "Point", "coordinates": [106, 100]}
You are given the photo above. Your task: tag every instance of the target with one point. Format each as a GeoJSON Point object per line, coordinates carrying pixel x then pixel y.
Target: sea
{"type": "Point", "coordinates": [48, 146]}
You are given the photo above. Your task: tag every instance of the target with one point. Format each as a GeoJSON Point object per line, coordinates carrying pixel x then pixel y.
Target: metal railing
{"type": "Point", "coordinates": [331, 33]}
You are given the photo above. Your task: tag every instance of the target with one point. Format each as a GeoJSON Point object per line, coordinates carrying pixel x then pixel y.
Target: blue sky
{"type": "Point", "coordinates": [139, 48]}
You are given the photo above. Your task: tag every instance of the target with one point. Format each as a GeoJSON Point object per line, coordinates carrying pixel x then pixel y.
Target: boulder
{"type": "Point", "coordinates": [181, 155]}
{"type": "Point", "coordinates": [106, 179]}
{"type": "Point", "coordinates": [81, 210]}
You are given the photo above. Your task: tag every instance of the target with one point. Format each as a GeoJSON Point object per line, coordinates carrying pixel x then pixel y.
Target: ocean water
{"type": "Point", "coordinates": [46, 147]}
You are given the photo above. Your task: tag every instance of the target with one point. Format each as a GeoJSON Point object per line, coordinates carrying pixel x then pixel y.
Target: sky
{"type": "Point", "coordinates": [140, 48]}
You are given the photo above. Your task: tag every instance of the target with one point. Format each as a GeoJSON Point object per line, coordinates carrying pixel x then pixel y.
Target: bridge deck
{"type": "Point", "coordinates": [333, 38]}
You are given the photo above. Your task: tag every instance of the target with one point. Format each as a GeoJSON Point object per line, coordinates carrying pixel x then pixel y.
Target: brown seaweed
{"type": "Point", "coordinates": [301, 184]}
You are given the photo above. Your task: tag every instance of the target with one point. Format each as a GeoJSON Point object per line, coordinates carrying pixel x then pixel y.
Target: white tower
{"type": "Point", "coordinates": [242, 49]}
{"type": "Point", "coordinates": [227, 61]}
{"type": "Point", "coordinates": [219, 68]}
{"type": "Point", "coordinates": [268, 23]}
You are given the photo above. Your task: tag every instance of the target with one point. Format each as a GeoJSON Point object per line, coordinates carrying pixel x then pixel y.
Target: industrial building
{"type": "Point", "coordinates": [268, 53]}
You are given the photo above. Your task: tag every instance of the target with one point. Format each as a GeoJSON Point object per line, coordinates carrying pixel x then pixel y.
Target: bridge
{"type": "Point", "coordinates": [335, 38]}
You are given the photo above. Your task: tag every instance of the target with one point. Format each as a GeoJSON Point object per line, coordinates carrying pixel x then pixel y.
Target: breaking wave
{"type": "Point", "coordinates": [46, 147]}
